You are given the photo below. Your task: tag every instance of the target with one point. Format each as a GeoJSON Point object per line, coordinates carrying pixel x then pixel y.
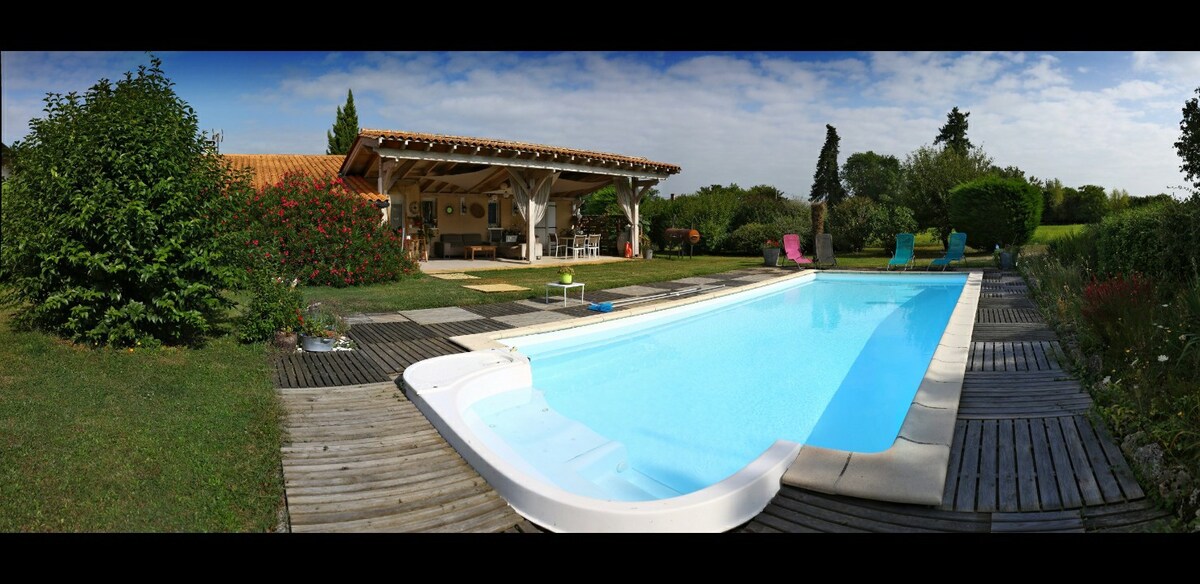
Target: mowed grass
{"type": "Point", "coordinates": [429, 292]}
{"type": "Point", "coordinates": [156, 440]}
{"type": "Point", "coordinates": [1047, 233]}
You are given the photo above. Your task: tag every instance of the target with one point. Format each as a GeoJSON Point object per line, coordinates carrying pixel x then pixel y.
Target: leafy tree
{"type": "Point", "coordinates": [1188, 145]}
{"type": "Point", "coordinates": [115, 219]}
{"type": "Point", "coordinates": [1091, 204]}
{"type": "Point", "coordinates": [345, 128]}
{"type": "Point", "coordinates": [1053, 195]}
{"type": "Point", "coordinates": [760, 204]}
{"type": "Point", "coordinates": [1118, 200]}
{"type": "Point", "coordinates": [826, 185]}
{"type": "Point", "coordinates": [996, 211]}
{"type": "Point", "coordinates": [852, 223]}
{"type": "Point", "coordinates": [876, 176]}
{"type": "Point", "coordinates": [888, 221]}
{"type": "Point", "coordinates": [929, 174]}
{"type": "Point", "coordinates": [954, 133]}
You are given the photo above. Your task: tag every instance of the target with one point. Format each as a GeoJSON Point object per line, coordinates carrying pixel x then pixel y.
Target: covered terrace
{"type": "Point", "coordinates": [491, 191]}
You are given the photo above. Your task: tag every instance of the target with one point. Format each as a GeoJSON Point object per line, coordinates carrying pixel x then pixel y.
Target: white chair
{"type": "Point", "coordinates": [593, 245]}
{"type": "Point", "coordinates": [578, 246]}
{"type": "Point", "coordinates": [552, 243]}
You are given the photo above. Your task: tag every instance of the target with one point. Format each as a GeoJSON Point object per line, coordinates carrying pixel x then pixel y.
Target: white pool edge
{"type": "Point", "coordinates": [913, 470]}
{"type": "Point", "coordinates": [479, 374]}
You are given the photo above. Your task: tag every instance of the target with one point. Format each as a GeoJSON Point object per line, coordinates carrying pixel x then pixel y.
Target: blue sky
{"type": "Point", "coordinates": [1106, 118]}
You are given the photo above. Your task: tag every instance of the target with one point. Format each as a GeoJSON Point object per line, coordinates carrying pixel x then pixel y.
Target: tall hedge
{"type": "Point", "coordinates": [112, 230]}
{"type": "Point", "coordinates": [1159, 240]}
{"type": "Point", "coordinates": [995, 211]}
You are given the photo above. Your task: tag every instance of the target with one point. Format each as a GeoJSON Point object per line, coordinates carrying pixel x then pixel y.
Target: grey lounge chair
{"type": "Point", "coordinates": [825, 250]}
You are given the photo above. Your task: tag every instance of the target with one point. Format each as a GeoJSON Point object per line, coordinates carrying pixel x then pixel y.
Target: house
{"type": "Point", "coordinates": [482, 188]}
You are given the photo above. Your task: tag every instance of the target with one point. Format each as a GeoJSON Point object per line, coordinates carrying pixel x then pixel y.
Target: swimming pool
{"type": "Point", "coordinates": [704, 401]}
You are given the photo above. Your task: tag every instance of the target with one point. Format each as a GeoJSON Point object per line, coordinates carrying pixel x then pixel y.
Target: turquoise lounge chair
{"type": "Point", "coordinates": [958, 246]}
{"type": "Point", "coordinates": [904, 251]}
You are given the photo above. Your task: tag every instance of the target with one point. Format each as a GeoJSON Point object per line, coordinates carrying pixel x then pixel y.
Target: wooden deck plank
{"type": "Point", "coordinates": [1117, 463]}
{"type": "Point", "coordinates": [1085, 476]}
{"type": "Point", "coordinates": [1048, 496]}
{"type": "Point", "coordinates": [1068, 487]}
{"type": "Point", "coordinates": [1006, 471]}
{"type": "Point", "coordinates": [954, 465]}
{"type": "Point", "coordinates": [986, 498]}
{"type": "Point", "coordinates": [968, 477]}
{"type": "Point", "coordinates": [1106, 479]}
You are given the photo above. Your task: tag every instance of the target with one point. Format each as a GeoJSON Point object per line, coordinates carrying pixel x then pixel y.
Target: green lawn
{"type": "Point", "coordinates": [1047, 233]}
{"type": "Point", "coordinates": [428, 292]}
{"type": "Point", "coordinates": [150, 440]}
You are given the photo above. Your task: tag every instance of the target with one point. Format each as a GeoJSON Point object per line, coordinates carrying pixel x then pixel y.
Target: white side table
{"type": "Point", "coordinates": [565, 287]}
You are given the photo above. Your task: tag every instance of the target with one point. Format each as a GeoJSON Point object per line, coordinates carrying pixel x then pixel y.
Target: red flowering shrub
{"type": "Point", "coordinates": [1116, 306]}
{"type": "Point", "coordinates": [319, 232]}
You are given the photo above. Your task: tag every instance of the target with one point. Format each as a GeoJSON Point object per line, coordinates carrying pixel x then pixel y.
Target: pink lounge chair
{"type": "Point", "coordinates": [791, 246]}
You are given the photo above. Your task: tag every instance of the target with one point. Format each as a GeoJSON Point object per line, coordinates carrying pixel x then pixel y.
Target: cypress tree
{"type": "Point", "coordinates": [954, 133]}
{"type": "Point", "coordinates": [345, 128]}
{"type": "Point", "coordinates": [827, 186]}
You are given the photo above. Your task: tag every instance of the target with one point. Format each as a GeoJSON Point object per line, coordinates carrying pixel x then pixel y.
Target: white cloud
{"type": "Point", "coordinates": [1182, 68]}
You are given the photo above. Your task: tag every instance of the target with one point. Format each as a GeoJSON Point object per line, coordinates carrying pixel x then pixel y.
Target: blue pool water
{"type": "Point", "coordinates": [665, 404]}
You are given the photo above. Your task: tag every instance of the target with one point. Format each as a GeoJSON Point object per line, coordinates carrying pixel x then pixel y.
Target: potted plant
{"type": "Point", "coordinates": [646, 246]}
{"type": "Point", "coordinates": [566, 274]}
{"type": "Point", "coordinates": [770, 253]}
{"type": "Point", "coordinates": [319, 331]}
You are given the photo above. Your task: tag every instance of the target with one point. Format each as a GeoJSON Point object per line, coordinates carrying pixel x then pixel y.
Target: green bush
{"type": "Point", "coordinates": [888, 221]}
{"type": "Point", "coordinates": [995, 211]}
{"type": "Point", "coordinates": [276, 302]}
{"type": "Point", "coordinates": [114, 217]}
{"type": "Point", "coordinates": [852, 223]}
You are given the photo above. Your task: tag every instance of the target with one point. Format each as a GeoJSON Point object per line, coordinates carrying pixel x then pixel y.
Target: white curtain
{"type": "Point", "coordinates": [532, 194]}
{"type": "Point", "coordinates": [628, 197]}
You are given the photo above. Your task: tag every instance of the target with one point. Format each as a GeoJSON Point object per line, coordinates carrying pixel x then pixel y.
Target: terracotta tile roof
{"type": "Point", "coordinates": [509, 145]}
{"type": "Point", "coordinates": [269, 168]}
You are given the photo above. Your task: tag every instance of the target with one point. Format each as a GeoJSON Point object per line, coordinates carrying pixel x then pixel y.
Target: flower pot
{"type": "Point", "coordinates": [771, 256]}
{"type": "Point", "coordinates": [316, 344]}
{"type": "Point", "coordinates": [565, 278]}
{"type": "Point", "coordinates": [286, 341]}
{"type": "Point", "coordinates": [1006, 261]}
{"type": "Point", "coordinates": [648, 254]}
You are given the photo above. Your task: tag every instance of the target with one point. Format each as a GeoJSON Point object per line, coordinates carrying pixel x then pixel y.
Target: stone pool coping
{"type": "Point", "coordinates": [914, 469]}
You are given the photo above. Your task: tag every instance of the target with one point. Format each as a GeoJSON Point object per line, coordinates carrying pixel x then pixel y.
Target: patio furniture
{"type": "Point", "coordinates": [454, 244]}
{"type": "Point", "coordinates": [552, 242]}
{"type": "Point", "coordinates": [825, 249]}
{"type": "Point", "coordinates": [791, 246]}
{"type": "Point", "coordinates": [593, 245]}
{"type": "Point", "coordinates": [486, 249]}
{"type": "Point", "coordinates": [904, 251]}
{"type": "Point", "coordinates": [564, 288]}
{"type": "Point", "coordinates": [958, 246]}
{"type": "Point", "coordinates": [578, 246]}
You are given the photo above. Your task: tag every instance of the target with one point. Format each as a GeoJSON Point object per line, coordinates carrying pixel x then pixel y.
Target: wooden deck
{"type": "Point", "coordinates": [1025, 457]}
{"type": "Point", "coordinates": [362, 458]}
